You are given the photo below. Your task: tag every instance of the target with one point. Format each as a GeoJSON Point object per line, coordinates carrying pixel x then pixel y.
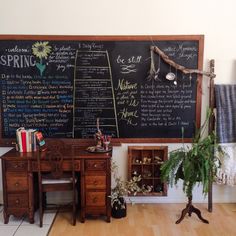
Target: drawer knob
{"type": "Point", "coordinates": [95, 182]}
{"type": "Point", "coordinates": [16, 166]}
{"type": "Point", "coordinates": [17, 184]}
{"type": "Point", "coordinates": [95, 165]}
{"type": "Point", "coordinates": [17, 201]}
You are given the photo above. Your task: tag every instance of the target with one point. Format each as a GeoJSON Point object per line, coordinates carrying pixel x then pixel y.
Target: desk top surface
{"type": "Point", "coordinates": [77, 152]}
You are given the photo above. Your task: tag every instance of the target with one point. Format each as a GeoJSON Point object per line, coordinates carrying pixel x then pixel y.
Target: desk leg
{"type": "Point", "coordinates": [6, 217]}
{"type": "Point", "coordinates": [108, 211]}
{"type": "Point", "coordinates": [31, 217]}
{"type": "Point", "coordinates": [82, 192]}
{"type": "Point", "coordinates": [108, 219]}
{"type": "Point", "coordinates": [31, 198]}
{"type": "Point", "coordinates": [82, 216]}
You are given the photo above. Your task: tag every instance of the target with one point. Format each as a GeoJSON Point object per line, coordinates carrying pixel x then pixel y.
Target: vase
{"type": "Point", "coordinates": [119, 210]}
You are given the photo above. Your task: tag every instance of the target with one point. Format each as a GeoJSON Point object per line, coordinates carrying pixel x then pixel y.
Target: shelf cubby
{"type": "Point", "coordinates": [146, 161]}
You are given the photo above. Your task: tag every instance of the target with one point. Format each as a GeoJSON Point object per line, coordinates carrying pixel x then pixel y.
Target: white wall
{"type": "Point", "coordinates": [214, 19]}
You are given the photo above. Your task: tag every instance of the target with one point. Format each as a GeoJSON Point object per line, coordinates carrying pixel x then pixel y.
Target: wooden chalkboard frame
{"type": "Point", "coordinates": [198, 38]}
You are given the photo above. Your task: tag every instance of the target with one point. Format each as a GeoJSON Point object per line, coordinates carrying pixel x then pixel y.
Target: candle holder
{"type": "Point", "coordinates": [106, 142]}
{"type": "Point", "coordinates": [102, 142]}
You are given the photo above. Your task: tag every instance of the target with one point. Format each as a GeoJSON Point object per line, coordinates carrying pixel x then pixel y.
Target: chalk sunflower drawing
{"type": "Point", "coordinates": [42, 51]}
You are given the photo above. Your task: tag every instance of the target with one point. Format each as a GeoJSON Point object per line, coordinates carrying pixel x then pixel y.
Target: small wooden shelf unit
{"type": "Point", "coordinates": [146, 161]}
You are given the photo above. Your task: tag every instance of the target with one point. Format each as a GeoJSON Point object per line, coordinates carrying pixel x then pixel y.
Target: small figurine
{"type": "Point", "coordinates": [147, 160]}
{"type": "Point", "coordinates": [158, 160]}
{"type": "Point", "coordinates": [144, 160]}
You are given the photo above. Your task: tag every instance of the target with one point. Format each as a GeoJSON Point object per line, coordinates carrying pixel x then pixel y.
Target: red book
{"type": "Point", "coordinates": [23, 139]}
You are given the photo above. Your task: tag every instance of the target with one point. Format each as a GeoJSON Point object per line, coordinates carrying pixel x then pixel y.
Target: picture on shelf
{"type": "Point", "coordinates": [40, 138]}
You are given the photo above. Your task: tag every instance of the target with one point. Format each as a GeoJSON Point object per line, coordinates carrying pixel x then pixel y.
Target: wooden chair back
{"type": "Point", "coordinates": [55, 178]}
{"type": "Point", "coordinates": [55, 159]}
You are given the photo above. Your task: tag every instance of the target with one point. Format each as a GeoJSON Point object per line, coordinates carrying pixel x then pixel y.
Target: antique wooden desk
{"type": "Point", "coordinates": [20, 187]}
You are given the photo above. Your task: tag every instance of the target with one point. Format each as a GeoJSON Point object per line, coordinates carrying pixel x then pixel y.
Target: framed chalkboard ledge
{"type": "Point", "coordinates": [114, 143]}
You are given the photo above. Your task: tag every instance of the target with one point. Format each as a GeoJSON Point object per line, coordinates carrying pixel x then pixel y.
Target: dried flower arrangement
{"type": "Point", "coordinates": [124, 188]}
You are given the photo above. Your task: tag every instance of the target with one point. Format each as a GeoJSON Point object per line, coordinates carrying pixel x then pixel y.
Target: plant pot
{"type": "Point", "coordinates": [119, 210]}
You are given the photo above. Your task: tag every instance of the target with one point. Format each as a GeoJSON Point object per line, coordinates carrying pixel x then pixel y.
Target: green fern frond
{"type": "Point", "coordinates": [197, 164]}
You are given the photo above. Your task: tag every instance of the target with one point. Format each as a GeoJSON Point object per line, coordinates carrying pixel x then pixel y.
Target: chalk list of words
{"type": "Point", "coordinates": [94, 97]}
{"type": "Point", "coordinates": [165, 105]}
{"type": "Point", "coordinates": [33, 98]}
{"type": "Point", "coordinates": [36, 103]}
{"type": "Point", "coordinates": [127, 89]}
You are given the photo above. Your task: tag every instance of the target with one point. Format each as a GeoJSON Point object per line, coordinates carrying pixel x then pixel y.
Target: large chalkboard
{"type": "Point", "coordinates": [62, 84]}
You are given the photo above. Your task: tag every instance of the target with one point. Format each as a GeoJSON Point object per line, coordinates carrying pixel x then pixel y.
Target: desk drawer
{"type": "Point", "coordinates": [45, 165]}
{"type": "Point", "coordinates": [16, 165]}
{"type": "Point", "coordinates": [18, 200]}
{"type": "Point", "coordinates": [17, 181]}
{"type": "Point", "coordinates": [95, 165]}
{"type": "Point", "coordinates": [95, 199]}
{"type": "Point", "coordinates": [95, 182]}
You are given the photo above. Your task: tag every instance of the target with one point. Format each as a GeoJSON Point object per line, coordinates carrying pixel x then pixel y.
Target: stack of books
{"type": "Point", "coordinates": [26, 139]}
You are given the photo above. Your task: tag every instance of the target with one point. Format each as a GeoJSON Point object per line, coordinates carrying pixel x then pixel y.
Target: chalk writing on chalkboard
{"type": "Point", "coordinates": [61, 86]}
{"type": "Point", "coordinates": [94, 95]}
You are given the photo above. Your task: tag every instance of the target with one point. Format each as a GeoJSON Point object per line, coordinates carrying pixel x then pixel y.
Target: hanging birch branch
{"type": "Point", "coordinates": [179, 67]}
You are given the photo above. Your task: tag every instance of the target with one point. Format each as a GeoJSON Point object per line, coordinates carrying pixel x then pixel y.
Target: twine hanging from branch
{"type": "Point", "coordinates": [179, 67]}
{"type": "Point", "coordinates": [153, 73]}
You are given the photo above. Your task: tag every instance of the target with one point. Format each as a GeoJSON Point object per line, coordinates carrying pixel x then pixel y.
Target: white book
{"type": "Point", "coordinates": [18, 138]}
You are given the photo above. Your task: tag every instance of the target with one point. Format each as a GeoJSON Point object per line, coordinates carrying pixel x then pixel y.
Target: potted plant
{"type": "Point", "coordinates": [122, 189]}
{"type": "Point", "coordinates": [194, 165]}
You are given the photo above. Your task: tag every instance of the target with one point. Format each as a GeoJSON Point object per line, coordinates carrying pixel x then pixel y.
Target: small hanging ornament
{"type": "Point", "coordinates": [175, 81]}
{"type": "Point", "coordinates": [170, 76]}
{"type": "Point", "coordinates": [190, 79]}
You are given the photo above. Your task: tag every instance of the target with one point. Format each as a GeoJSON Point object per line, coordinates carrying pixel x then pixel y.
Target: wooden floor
{"type": "Point", "coordinates": [153, 220]}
